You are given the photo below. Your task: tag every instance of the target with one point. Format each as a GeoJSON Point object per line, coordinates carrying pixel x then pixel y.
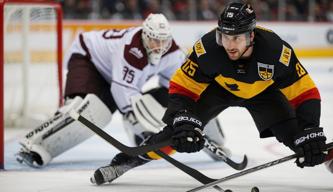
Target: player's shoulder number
{"type": "Point", "coordinates": [115, 33]}
{"type": "Point", "coordinates": [189, 67]}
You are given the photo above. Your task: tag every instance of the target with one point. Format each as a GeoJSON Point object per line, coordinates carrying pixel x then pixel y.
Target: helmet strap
{"type": "Point", "coordinates": [249, 43]}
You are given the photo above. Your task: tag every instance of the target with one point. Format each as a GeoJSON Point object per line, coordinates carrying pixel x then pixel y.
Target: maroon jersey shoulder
{"type": "Point", "coordinates": [135, 53]}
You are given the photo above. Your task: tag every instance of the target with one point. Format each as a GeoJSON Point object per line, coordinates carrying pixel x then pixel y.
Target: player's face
{"type": "Point", "coordinates": [158, 46]}
{"type": "Point", "coordinates": [234, 45]}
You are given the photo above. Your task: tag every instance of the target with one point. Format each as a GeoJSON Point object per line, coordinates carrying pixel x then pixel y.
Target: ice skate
{"type": "Point", "coordinates": [120, 164]}
{"type": "Point", "coordinates": [32, 159]}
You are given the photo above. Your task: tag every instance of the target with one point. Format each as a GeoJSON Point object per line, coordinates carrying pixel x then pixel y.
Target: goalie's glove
{"type": "Point", "coordinates": [187, 135]}
{"type": "Point", "coordinates": [310, 146]}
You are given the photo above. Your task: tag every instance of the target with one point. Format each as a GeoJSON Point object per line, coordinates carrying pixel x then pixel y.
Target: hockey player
{"type": "Point", "coordinates": [106, 72]}
{"type": "Point", "coordinates": [238, 64]}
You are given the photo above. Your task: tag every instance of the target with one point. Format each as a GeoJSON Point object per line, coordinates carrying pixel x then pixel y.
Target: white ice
{"type": "Point", "coordinates": [71, 170]}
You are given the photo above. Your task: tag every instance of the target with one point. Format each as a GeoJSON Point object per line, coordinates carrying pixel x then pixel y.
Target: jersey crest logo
{"type": "Point", "coordinates": [265, 71]}
{"type": "Point", "coordinates": [285, 56]}
{"type": "Point", "coordinates": [136, 52]}
{"type": "Point", "coordinates": [199, 48]}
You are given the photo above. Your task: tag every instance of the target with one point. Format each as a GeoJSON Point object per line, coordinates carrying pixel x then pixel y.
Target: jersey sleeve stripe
{"type": "Point", "coordinates": [185, 82]}
{"type": "Point", "coordinates": [167, 150]}
{"type": "Point", "coordinates": [84, 46]}
{"type": "Point", "coordinates": [300, 88]}
{"type": "Point", "coordinates": [177, 89]}
{"type": "Point", "coordinates": [310, 94]}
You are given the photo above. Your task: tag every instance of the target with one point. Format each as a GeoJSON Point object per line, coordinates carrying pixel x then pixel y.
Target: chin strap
{"type": "Point", "coordinates": [249, 43]}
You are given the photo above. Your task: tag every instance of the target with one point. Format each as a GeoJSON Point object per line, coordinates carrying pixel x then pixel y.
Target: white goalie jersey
{"type": "Point", "coordinates": [120, 57]}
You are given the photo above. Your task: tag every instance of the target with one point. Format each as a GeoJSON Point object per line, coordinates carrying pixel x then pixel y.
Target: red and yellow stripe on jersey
{"type": "Point", "coordinates": [301, 90]}
{"type": "Point", "coordinates": [181, 84]}
{"type": "Point", "coordinates": [167, 150]}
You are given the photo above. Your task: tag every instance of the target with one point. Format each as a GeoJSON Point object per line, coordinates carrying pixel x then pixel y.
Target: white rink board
{"type": "Point", "coordinates": [71, 171]}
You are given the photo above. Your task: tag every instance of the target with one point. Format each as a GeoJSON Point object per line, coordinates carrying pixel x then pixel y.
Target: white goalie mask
{"type": "Point", "coordinates": [156, 37]}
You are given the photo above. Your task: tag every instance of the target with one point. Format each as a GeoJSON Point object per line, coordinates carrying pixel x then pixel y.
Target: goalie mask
{"type": "Point", "coordinates": [156, 37]}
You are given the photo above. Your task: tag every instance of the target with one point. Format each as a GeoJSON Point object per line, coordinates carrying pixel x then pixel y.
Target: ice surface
{"type": "Point", "coordinates": [71, 170]}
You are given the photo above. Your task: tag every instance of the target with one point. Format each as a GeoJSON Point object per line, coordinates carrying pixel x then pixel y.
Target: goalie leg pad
{"type": "Point", "coordinates": [61, 132]}
{"type": "Point", "coordinates": [145, 118]}
{"type": "Point", "coordinates": [148, 112]}
{"type": "Point", "coordinates": [213, 130]}
{"type": "Point", "coordinates": [215, 140]}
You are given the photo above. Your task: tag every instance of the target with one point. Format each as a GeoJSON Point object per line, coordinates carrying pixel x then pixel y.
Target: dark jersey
{"type": "Point", "coordinates": [273, 64]}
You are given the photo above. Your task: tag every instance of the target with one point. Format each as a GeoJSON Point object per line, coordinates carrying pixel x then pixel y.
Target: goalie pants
{"type": "Point", "coordinates": [83, 78]}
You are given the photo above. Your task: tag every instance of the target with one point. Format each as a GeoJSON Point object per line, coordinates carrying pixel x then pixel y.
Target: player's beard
{"type": "Point", "coordinates": [233, 54]}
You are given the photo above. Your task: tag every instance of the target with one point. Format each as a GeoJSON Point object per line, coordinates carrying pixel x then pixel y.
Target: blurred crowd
{"type": "Point", "coordinates": [266, 10]}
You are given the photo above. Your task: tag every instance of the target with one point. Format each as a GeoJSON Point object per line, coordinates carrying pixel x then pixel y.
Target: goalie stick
{"type": "Point", "coordinates": [135, 151]}
{"type": "Point", "coordinates": [253, 169]}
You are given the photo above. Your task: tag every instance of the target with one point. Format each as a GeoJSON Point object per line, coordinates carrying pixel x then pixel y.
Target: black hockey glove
{"type": "Point", "coordinates": [310, 147]}
{"type": "Point", "coordinates": [187, 135]}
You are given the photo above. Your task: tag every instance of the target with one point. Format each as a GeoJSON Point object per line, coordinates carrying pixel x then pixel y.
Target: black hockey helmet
{"type": "Point", "coordinates": [237, 18]}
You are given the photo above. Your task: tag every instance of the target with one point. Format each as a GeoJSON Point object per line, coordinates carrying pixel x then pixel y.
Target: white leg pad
{"type": "Point", "coordinates": [133, 128]}
{"type": "Point", "coordinates": [148, 112]}
{"type": "Point", "coordinates": [146, 117]}
{"type": "Point", "coordinates": [62, 133]}
{"type": "Point", "coordinates": [213, 130]}
{"type": "Point", "coordinates": [214, 133]}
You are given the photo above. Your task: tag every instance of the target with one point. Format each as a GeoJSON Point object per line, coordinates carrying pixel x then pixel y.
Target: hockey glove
{"type": "Point", "coordinates": [310, 146]}
{"type": "Point", "coordinates": [187, 135]}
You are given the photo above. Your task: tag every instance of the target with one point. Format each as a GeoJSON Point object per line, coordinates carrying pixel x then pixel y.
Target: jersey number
{"type": "Point", "coordinates": [128, 75]}
{"type": "Point", "coordinates": [189, 67]}
{"type": "Point", "coordinates": [300, 70]}
{"type": "Point", "coordinates": [114, 33]}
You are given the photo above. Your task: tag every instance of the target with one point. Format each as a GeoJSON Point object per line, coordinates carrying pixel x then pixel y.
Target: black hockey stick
{"type": "Point", "coordinates": [251, 170]}
{"type": "Point", "coordinates": [190, 171]}
{"type": "Point", "coordinates": [133, 151]}
{"type": "Point", "coordinates": [214, 148]}
{"type": "Point", "coordinates": [130, 150]}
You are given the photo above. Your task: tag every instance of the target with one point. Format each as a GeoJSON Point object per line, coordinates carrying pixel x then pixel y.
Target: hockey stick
{"type": "Point", "coordinates": [133, 150]}
{"type": "Point", "coordinates": [190, 171]}
{"type": "Point", "coordinates": [211, 146]}
{"type": "Point", "coordinates": [251, 170]}
{"type": "Point", "coordinates": [148, 112]}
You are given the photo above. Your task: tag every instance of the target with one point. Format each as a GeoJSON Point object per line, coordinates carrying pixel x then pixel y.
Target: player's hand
{"type": "Point", "coordinates": [187, 135]}
{"type": "Point", "coordinates": [310, 147]}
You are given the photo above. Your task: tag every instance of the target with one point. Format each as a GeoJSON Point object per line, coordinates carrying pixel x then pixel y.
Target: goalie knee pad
{"type": "Point", "coordinates": [61, 132]}
{"type": "Point", "coordinates": [148, 112]}
{"type": "Point", "coordinates": [214, 145]}
{"type": "Point", "coordinates": [213, 131]}
{"type": "Point", "coordinates": [135, 131]}
{"type": "Point", "coordinates": [145, 118]}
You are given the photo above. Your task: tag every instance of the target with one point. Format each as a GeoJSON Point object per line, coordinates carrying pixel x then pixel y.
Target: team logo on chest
{"type": "Point", "coordinates": [265, 71]}
{"type": "Point", "coordinates": [136, 52]}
